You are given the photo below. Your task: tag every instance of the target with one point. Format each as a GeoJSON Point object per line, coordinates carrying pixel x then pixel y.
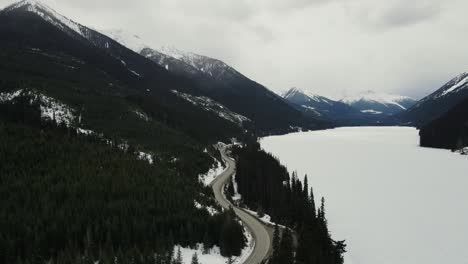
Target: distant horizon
{"type": "Point", "coordinates": [344, 50]}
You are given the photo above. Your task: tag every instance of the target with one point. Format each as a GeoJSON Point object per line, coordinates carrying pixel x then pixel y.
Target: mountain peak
{"type": "Point", "coordinates": [28, 5]}
{"type": "Point", "coordinates": [294, 91]}
{"type": "Point", "coordinates": [379, 102]}
{"type": "Point", "coordinates": [46, 13]}
{"type": "Point", "coordinates": [131, 41]}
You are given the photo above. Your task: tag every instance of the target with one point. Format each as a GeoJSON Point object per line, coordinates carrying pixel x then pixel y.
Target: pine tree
{"type": "Point", "coordinates": [312, 202]}
{"type": "Point", "coordinates": [178, 259]}
{"type": "Point", "coordinates": [306, 188]}
{"type": "Point", "coordinates": [276, 245]}
{"type": "Point", "coordinates": [286, 255]}
{"type": "Point", "coordinates": [195, 258]}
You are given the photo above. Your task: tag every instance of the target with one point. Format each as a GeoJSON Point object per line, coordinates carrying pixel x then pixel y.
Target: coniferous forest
{"type": "Point", "coordinates": [266, 186]}
{"type": "Point", "coordinates": [450, 131]}
{"type": "Point", "coordinates": [69, 198]}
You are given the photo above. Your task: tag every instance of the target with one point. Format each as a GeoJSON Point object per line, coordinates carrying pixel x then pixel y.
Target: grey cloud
{"type": "Point", "coordinates": [327, 46]}
{"type": "Point", "coordinates": [381, 15]}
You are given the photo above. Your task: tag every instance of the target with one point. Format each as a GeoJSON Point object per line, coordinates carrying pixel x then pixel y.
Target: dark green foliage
{"type": "Point", "coordinates": [232, 238]}
{"type": "Point", "coordinates": [264, 183]}
{"type": "Point", "coordinates": [276, 245]}
{"type": "Point", "coordinates": [450, 131]}
{"type": "Point", "coordinates": [93, 80]}
{"type": "Point", "coordinates": [75, 199]}
{"type": "Point", "coordinates": [285, 254]}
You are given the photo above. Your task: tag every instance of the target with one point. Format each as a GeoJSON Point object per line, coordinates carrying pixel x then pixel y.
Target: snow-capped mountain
{"type": "Point", "coordinates": [439, 102]}
{"type": "Point", "coordinates": [222, 83]}
{"type": "Point", "coordinates": [131, 41]}
{"type": "Point", "coordinates": [44, 50]}
{"type": "Point", "coordinates": [174, 59]}
{"type": "Point", "coordinates": [379, 103]}
{"type": "Point", "coordinates": [213, 67]}
{"type": "Point", "coordinates": [316, 104]}
{"type": "Point", "coordinates": [47, 14]}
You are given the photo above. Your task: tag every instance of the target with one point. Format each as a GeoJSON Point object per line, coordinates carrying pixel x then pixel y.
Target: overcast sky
{"type": "Point", "coordinates": [330, 47]}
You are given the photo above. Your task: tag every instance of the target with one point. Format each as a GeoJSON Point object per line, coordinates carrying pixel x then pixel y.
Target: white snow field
{"type": "Point", "coordinates": [393, 201]}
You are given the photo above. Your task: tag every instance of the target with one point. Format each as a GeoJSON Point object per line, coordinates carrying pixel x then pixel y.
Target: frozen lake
{"type": "Point", "coordinates": [393, 202]}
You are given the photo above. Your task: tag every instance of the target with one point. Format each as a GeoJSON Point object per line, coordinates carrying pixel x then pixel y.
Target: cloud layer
{"type": "Point", "coordinates": [330, 47]}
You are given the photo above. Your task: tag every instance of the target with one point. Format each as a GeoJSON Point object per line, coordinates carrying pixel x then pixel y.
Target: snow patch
{"type": "Point", "coordinates": [370, 111]}
{"type": "Point", "coordinates": [51, 109]}
{"type": "Point", "coordinates": [237, 196]}
{"type": "Point", "coordinates": [212, 174]}
{"type": "Point", "coordinates": [142, 115]}
{"type": "Point", "coordinates": [213, 255]}
{"type": "Point", "coordinates": [211, 105]}
{"type": "Point", "coordinates": [455, 87]}
{"type": "Point", "coordinates": [126, 39]}
{"type": "Point", "coordinates": [145, 156]}
{"type": "Point", "coordinates": [85, 131]}
{"type": "Point", "coordinates": [135, 73]}
{"type": "Point", "coordinates": [266, 219]}
{"type": "Point", "coordinates": [210, 209]}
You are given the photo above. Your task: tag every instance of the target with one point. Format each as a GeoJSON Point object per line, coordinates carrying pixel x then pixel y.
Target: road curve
{"type": "Point", "coordinates": [259, 232]}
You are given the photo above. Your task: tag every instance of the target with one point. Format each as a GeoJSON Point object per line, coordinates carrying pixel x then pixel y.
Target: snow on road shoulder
{"type": "Point", "coordinates": [212, 174]}
{"type": "Point", "coordinates": [213, 255]}
{"type": "Point", "coordinates": [266, 219]}
{"type": "Point", "coordinates": [237, 196]}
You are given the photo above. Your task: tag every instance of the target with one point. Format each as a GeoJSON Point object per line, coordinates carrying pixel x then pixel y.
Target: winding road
{"type": "Point", "coordinates": [259, 231]}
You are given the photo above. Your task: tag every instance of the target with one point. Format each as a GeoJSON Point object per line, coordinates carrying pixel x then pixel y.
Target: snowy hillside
{"type": "Point", "coordinates": [128, 40]}
{"type": "Point", "coordinates": [47, 14]}
{"type": "Point", "coordinates": [210, 105]}
{"type": "Point", "coordinates": [306, 96]}
{"type": "Point", "coordinates": [319, 105]}
{"type": "Point", "coordinates": [439, 102]}
{"type": "Point", "coordinates": [372, 102]}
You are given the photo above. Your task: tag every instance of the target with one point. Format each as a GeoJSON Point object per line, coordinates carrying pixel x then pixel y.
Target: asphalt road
{"type": "Point", "coordinates": [259, 231]}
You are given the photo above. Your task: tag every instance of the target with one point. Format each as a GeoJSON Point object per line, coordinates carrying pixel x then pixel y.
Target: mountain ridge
{"type": "Point", "coordinates": [437, 103]}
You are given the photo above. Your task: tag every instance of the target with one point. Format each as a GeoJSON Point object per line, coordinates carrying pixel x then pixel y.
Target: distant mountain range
{"type": "Point", "coordinates": [221, 82]}
{"type": "Point", "coordinates": [182, 81]}
{"type": "Point", "coordinates": [368, 108]}
{"type": "Point", "coordinates": [317, 105]}
{"type": "Point", "coordinates": [379, 103]}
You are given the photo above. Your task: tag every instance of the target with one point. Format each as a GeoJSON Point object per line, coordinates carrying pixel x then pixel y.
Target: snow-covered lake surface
{"type": "Point", "coordinates": [393, 201]}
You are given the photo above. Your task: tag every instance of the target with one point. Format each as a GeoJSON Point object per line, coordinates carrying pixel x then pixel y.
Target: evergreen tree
{"type": "Point", "coordinates": [306, 188]}
{"type": "Point", "coordinates": [286, 254]}
{"type": "Point", "coordinates": [178, 259]}
{"type": "Point", "coordinates": [276, 245]}
{"type": "Point", "coordinates": [195, 258]}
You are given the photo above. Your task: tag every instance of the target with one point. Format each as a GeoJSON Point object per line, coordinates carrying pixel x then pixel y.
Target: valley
{"type": "Point", "coordinates": [115, 150]}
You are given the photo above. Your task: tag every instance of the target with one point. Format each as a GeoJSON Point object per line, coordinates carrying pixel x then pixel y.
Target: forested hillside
{"type": "Point", "coordinates": [267, 186]}
{"type": "Point", "coordinates": [450, 131]}
{"type": "Point", "coordinates": [70, 198]}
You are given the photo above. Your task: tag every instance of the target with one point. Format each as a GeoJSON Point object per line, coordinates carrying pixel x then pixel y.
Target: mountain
{"type": "Point", "coordinates": [340, 113]}
{"type": "Point", "coordinates": [437, 103]}
{"type": "Point", "coordinates": [449, 131]}
{"type": "Point", "coordinates": [217, 80]}
{"type": "Point", "coordinates": [378, 103]}
{"type": "Point", "coordinates": [318, 105]}
{"type": "Point", "coordinates": [90, 71]}
{"type": "Point", "coordinates": [96, 137]}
